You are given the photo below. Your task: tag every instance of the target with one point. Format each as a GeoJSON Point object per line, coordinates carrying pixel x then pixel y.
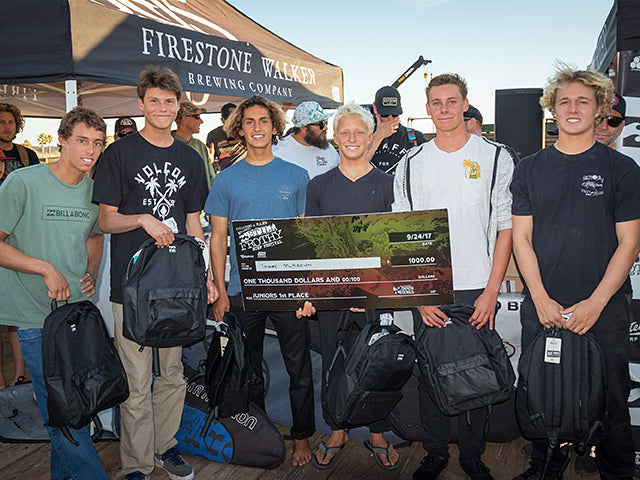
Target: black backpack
{"type": "Point", "coordinates": [464, 368]}
{"type": "Point", "coordinates": [563, 401]}
{"type": "Point", "coordinates": [501, 427]}
{"type": "Point", "coordinates": [364, 385]}
{"type": "Point", "coordinates": [165, 294]}
{"type": "Point", "coordinates": [83, 373]}
{"type": "Point", "coordinates": [228, 373]}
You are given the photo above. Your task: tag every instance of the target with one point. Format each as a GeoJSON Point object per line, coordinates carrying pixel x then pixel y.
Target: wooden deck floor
{"type": "Point", "coordinates": [31, 461]}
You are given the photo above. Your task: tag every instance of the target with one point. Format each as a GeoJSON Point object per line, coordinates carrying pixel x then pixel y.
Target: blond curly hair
{"type": "Point", "coordinates": [602, 86]}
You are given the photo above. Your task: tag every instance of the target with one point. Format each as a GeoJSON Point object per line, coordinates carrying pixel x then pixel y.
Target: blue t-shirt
{"type": "Point", "coordinates": [255, 192]}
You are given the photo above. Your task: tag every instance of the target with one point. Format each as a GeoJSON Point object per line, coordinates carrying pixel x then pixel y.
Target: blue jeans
{"type": "Point", "coordinates": [67, 460]}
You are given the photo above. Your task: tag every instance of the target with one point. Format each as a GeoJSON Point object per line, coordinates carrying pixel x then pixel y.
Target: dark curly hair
{"type": "Point", "coordinates": [233, 125]}
{"type": "Point", "coordinates": [17, 115]}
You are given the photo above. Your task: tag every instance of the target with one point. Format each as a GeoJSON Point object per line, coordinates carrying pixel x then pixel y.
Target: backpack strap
{"type": "Point", "coordinates": [493, 176]}
{"type": "Point", "coordinates": [411, 133]}
{"type": "Point", "coordinates": [345, 324]}
{"type": "Point", "coordinates": [493, 183]}
{"type": "Point", "coordinates": [24, 156]}
{"type": "Point", "coordinates": [407, 177]}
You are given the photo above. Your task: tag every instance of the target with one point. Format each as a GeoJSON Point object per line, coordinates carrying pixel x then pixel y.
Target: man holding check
{"type": "Point", "coordinates": [354, 186]}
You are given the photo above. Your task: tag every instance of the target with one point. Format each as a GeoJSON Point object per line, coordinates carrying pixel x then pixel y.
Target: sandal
{"type": "Point", "coordinates": [19, 381]}
{"type": "Point", "coordinates": [326, 451]}
{"type": "Point", "coordinates": [382, 451]}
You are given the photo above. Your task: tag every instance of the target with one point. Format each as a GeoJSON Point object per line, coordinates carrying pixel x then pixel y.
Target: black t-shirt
{"type": "Point", "coordinates": [334, 194]}
{"type": "Point", "coordinates": [138, 177]}
{"type": "Point", "coordinates": [13, 160]}
{"type": "Point", "coordinates": [393, 148]}
{"type": "Point", "coordinates": [226, 150]}
{"type": "Point", "coordinates": [575, 202]}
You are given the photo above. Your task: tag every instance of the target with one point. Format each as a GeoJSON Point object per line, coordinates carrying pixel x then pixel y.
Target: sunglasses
{"type": "Point", "coordinates": [612, 121]}
{"type": "Point", "coordinates": [194, 115]}
{"type": "Point", "coordinates": [321, 124]}
{"type": "Point", "coordinates": [124, 134]}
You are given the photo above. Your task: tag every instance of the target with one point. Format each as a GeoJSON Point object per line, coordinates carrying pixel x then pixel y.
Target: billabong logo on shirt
{"type": "Point", "coordinates": [58, 212]}
{"type": "Point", "coordinates": [471, 169]}
{"type": "Point", "coordinates": [592, 185]}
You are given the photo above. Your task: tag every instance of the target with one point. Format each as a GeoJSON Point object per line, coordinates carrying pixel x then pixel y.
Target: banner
{"type": "Point", "coordinates": [382, 260]}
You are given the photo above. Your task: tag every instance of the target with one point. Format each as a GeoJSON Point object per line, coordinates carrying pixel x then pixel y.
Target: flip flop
{"type": "Point", "coordinates": [19, 381]}
{"type": "Point", "coordinates": [382, 451]}
{"type": "Point", "coordinates": [326, 451]}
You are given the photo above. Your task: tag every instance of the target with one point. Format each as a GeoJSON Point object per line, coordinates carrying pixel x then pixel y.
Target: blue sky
{"type": "Point", "coordinates": [494, 44]}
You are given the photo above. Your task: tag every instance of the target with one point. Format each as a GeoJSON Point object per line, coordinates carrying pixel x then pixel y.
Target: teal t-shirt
{"type": "Point", "coordinates": [48, 219]}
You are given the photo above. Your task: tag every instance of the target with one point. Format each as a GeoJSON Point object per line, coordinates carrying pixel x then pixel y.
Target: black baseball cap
{"type": "Point", "coordinates": [619, 104]}
{"type": "Point", "coordinates": [125, 122]}
{"type": "Point", "coordinates": [473, 112]}
{"type": "Point", "coordinates": [388, 102]}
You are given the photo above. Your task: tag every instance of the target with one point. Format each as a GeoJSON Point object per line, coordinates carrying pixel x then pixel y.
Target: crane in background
{"type": "Point", "coordinates": [417, 64]}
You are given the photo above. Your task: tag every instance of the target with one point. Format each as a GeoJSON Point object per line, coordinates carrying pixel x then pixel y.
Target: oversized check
{"type": "Point", "coordinates": [381, 260]}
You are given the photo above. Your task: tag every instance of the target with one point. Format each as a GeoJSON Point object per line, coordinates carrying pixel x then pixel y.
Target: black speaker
{"type": "Point", "coordinates": [519, 119]}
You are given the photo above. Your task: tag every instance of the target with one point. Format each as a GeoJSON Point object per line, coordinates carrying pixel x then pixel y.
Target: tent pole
{"type": "Point", "coordinates": [71, 94]}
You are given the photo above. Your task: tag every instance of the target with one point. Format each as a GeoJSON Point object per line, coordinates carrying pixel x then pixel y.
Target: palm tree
{"type": "Point", "coordinates": [49, 141]}
{"type": "Point", "coordinates": [42, 141]}
{"type": "Point", "coordinates": [471, 169]}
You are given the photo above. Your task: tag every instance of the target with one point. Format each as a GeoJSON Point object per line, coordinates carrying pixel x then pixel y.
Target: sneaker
{"type": "Point", "coordinates": [476, 470]}
{"type": "Point", "coordinates": [137, 475]}
{"type": "Point", "coordinates": [430, 467]}
{"type": "Point", "coordinates": [533, 473]}
{"type": "Point", "coordinates": [586, 464]}
{"type": "Point", "coordinates": [174, 465]}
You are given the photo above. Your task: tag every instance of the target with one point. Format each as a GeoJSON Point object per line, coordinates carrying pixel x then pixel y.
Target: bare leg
{"type": "Point", "coordinates": [301, 453]}
{"type": "Point", "coordinates": [18, 360]}
{"type": "Point", "coordinates": [378, 440]}
{"type": "Point", "coordinates": [337, 439]}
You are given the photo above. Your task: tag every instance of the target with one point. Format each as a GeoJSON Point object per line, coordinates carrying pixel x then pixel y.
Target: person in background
{"type": "Point", "coordinates": [188, 121]}
{"type": "Point", "coordinates": [391, 140]}
{"type": "Point", "coordinates": [124, 126]}
{"type": "Point", "coordinates": [473, 121]}
{"type": "Point", "coordinates": [13, 157]}
{"type": "Point", "coordinates": [226, 150]}
{"type": "Point", "coordinates": [307, 146]}
{"type": "Point", "coordinates": [610, 126]}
